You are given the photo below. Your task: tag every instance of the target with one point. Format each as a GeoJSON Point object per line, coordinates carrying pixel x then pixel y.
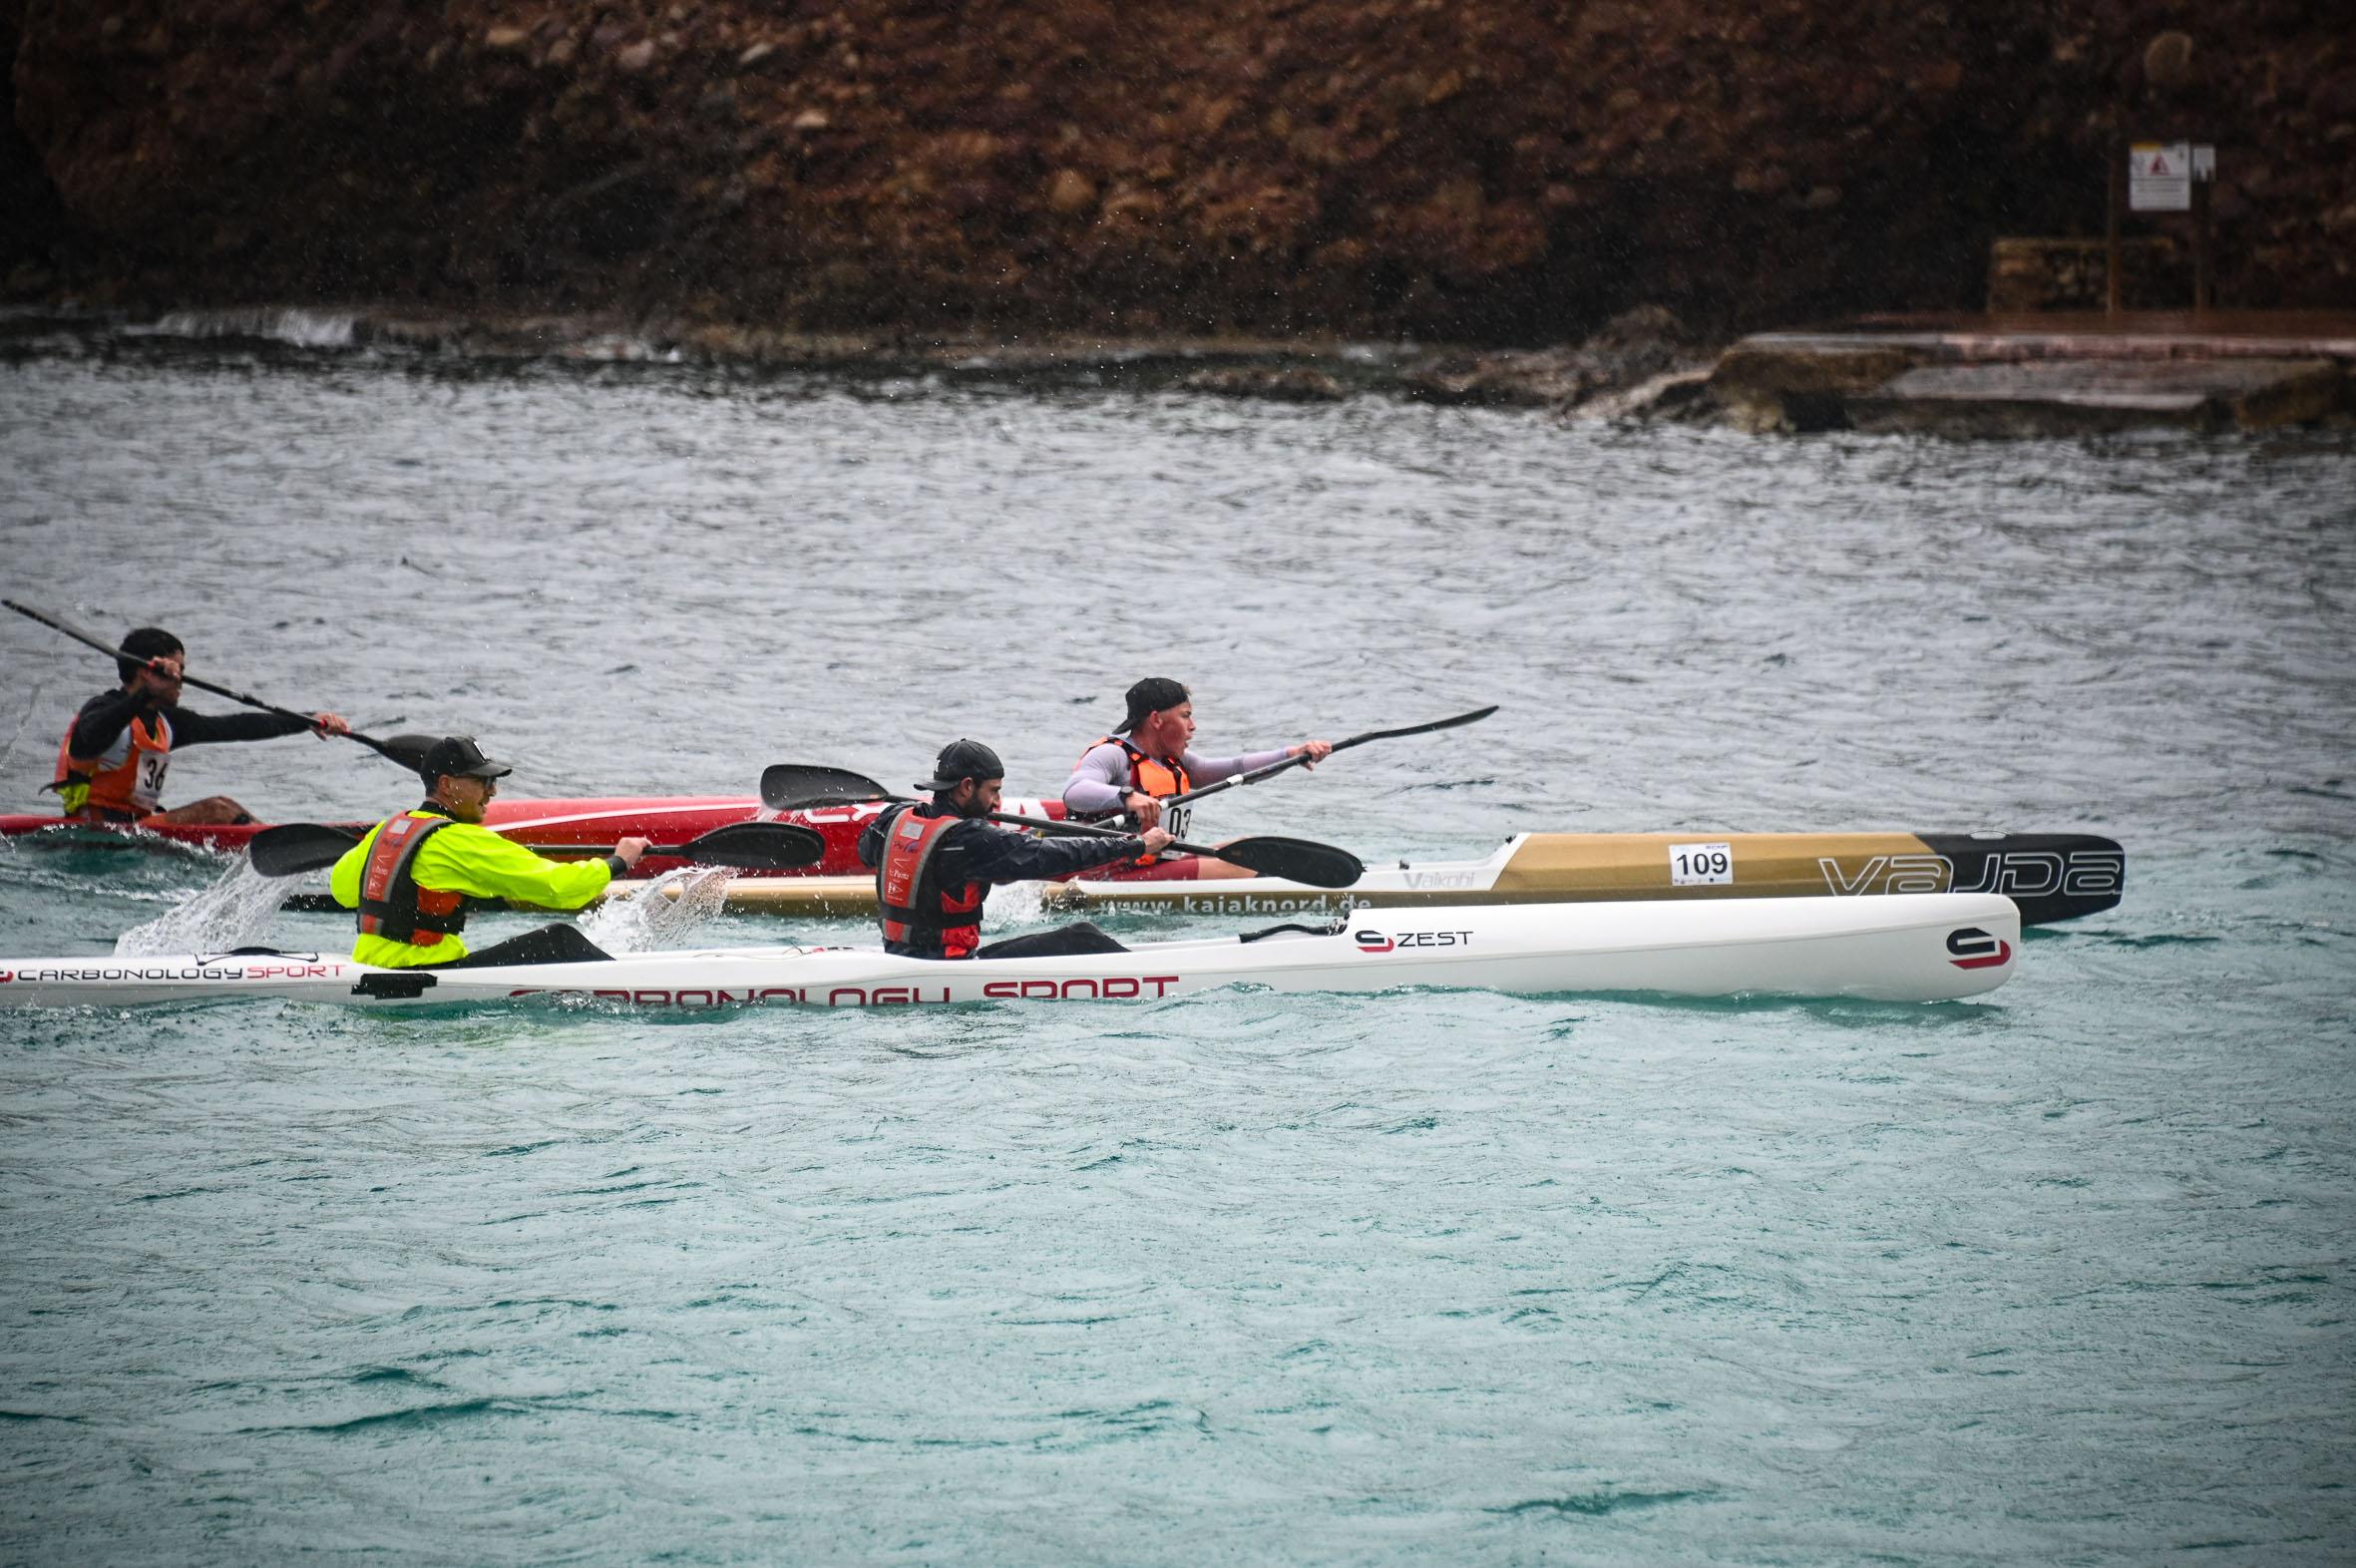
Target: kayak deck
{"type": "Point", "coordinates": [563, 829]}
{"type": "Point", "coordinates": [1934, 948]}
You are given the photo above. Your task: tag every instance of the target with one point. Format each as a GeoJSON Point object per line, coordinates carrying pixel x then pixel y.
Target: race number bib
{"type": "Point", "coordinates": [1693, 865]}
{"type": "Point", "coordinates": [148, 789]}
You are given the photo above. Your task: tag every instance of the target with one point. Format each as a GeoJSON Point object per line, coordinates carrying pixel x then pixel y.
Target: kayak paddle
{"type": "Point", "coordinates": [792, 786]}
{"type": "Point", "coordinates": [1294, 860]}
{"type": "Point", "coordinates": [797, 786]}
{"type": "Point", "coordinates": [407, 751]}
{"type": "Point", "coordinates": [1274, 768]}
{"type": "Point", "coordinates": [298, 847]}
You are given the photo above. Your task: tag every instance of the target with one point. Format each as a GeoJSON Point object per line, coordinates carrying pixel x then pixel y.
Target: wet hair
{"type": "Point", "coordinates": [147, 642]}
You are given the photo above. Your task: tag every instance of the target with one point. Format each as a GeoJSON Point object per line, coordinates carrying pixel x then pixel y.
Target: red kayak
{"type": "Point", "coordinates": [562, 829]}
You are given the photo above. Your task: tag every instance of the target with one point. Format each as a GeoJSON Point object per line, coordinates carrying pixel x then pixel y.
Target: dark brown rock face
{"type": "Point", "coordinates": [1504, 170]}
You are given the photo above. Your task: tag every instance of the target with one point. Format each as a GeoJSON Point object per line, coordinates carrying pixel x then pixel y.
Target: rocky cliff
{"type": "Point", "coordinates": [1471, 169]}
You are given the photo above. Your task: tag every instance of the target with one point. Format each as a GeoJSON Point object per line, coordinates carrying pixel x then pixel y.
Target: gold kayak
{"type": "Point", "coordinates": [2051, 876]}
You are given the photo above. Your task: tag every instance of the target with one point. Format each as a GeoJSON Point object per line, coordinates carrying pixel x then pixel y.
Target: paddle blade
{"type": "Point", "coordinates": [297, 847]}
{"type": "Point", "coordinates": [756, 846]}
{"type": "Point", "coordinates": [1295, 860]}
{"type": "Point", "coordinates": [794, 786]}
{"type": "Point", "coordinates": [1473, 717]}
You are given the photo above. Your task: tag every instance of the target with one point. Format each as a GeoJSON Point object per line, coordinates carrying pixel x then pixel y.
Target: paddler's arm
{"type": "Point", "coordinates": [204, 729]}
{"type": "Point", "coordinates": [1210, 770]}
{"type": "Point", "coordinates": [1000, 855]}
{"type": "Point", "coordinates": [463, 858]}
{"type": "Point", "coordinates": [100, 720]}
{"type": "Point", "coordinates": [1099, 787]}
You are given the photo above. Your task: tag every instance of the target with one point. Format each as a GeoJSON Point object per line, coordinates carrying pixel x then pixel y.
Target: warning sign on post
{"type": "Point", "coordinates": [2160, 177]}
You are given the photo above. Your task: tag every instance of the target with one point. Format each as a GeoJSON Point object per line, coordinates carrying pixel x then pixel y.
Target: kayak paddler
{"type": "Point", "coordinates": [110, 766]}
{"type": "Point", "coordinates": [936, 862]}
{"type": "Point", "coordinates": [1150, 758]}
{"type": "Point", "coordinates": [411, 876]}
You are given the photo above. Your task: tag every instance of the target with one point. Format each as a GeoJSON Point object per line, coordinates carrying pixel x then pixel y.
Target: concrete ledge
{"type": "Point", "coordinates": [2044, 375]}
{"type": "Point", "coordinates": [2055, 397]}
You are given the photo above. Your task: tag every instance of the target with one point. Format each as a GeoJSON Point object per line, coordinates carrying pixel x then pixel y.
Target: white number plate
{"type": "Point", "coordinates": [1691, 864]}
{"type": "Point", "coordinates": [148, 789]}
{"type": "Point", "coordinates": [1179, 820]}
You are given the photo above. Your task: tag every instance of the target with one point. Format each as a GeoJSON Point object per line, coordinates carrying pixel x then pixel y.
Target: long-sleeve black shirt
{"type": "Point", "coordinates": [104, 718]}
{"type": "Point", "coordinates": [982, 852]}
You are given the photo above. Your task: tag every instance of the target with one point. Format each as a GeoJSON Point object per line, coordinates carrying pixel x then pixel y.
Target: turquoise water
{"type": "Point", "coordinates": [2063, 1274]}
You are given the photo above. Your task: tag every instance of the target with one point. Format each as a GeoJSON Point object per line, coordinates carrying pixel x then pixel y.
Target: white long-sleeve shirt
{"type": "Point", "coordinates": [1103, 776]}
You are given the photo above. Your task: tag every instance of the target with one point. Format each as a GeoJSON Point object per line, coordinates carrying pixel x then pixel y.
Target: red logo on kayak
{"type": "Point", "coordinates": [1372, 941]}
{"type": "Point", "coordinates": [1974, 948]}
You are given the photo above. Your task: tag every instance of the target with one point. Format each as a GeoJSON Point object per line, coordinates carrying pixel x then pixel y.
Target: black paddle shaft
{"type": "Point", "coordinates": [797, 786]}
{"type": "Point", "coordinates": [1293, 860]}
{"type": "Point", "coordinates": [407, 751]}
{"type": "Point", "coordinates": [297, 847]}
{"type": "Point", "coordinates": [1274, 768]}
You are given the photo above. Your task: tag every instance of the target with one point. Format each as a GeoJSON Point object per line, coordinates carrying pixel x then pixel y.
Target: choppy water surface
{"type": "Point", "coordinates": [2062, 1276]}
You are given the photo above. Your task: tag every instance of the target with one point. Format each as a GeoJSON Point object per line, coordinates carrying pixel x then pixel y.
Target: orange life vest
{"type": "Point", "coordinates": [1154, 776]}
{"type": "Point", "coordinates": [392, 905]}
{"type": "Point", "coordinates": [909, 892]}
{"type": "Point", "coordinates": [121, 784]}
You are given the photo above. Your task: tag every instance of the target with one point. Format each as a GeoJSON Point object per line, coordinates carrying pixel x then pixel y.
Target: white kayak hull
{"type": "Point", "coordinates": [1935, 946]}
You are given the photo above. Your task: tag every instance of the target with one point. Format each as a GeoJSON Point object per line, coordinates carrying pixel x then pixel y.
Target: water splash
{"type": "Point", "coordinates": [660, 913]}
{"type": "Point", "coordinates": [1017, 903]}
{"type": "Point", "coordinates": [236, 912]}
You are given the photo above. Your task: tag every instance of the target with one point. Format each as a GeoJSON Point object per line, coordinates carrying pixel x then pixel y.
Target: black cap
{"type": "Point", "coordinates": [961, 760]}
{"type": "Point", "coordinates": [1149, 696]}
{"type": "Point", "coordinates": [457, 756]}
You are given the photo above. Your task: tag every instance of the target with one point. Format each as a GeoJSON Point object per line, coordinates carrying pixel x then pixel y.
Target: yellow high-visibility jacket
{"type": "Point", "coordinates": [464, 858]}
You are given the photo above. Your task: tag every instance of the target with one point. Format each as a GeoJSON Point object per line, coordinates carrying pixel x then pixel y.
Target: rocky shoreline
{"type": "Point", "coordinates": [1957, 377]}
{"type": "Point", "coordinates": [1497, 173]}
{"type": "Point", "coordinates": [1597, 376]}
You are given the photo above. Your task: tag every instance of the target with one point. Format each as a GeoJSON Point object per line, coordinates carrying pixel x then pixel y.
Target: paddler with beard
{"type": "Point", "coordinates": [1151, 758]}
{"type": "Point", "coordinates": [110, 766]}
{"type": "Point", "coordinates": [411, 876]}
{"type": "Point", "coordinates": [936, 862]}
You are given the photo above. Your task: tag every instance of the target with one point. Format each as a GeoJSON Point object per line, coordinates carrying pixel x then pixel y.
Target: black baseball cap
{"type": "Point", "coordinates": [457, 756]}
{"type": "Point", "coordinates": [1149, 696]}
{"type": "Point", "coordinates": [961, 760]}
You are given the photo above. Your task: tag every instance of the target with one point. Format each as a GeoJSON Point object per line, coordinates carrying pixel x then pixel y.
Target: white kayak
{"type": "Point", "coordinates": [1924, 949]}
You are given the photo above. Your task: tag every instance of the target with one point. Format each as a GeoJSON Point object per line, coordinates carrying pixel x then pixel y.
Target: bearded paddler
{"type": "Point", "coordinates": [936, 862]}
{"type": "Point", "coordinates": [111, 764]}
{"type": "Point", "coordinates": [1150, 759]}
{"type": "Point", "coordinates": [411, 876]}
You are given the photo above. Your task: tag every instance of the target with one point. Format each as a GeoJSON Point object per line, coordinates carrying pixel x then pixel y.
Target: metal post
{"type": "Point", "coordinates": [2203, 283]}
{"type": "Point", "coordinates": [2115, 180]}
